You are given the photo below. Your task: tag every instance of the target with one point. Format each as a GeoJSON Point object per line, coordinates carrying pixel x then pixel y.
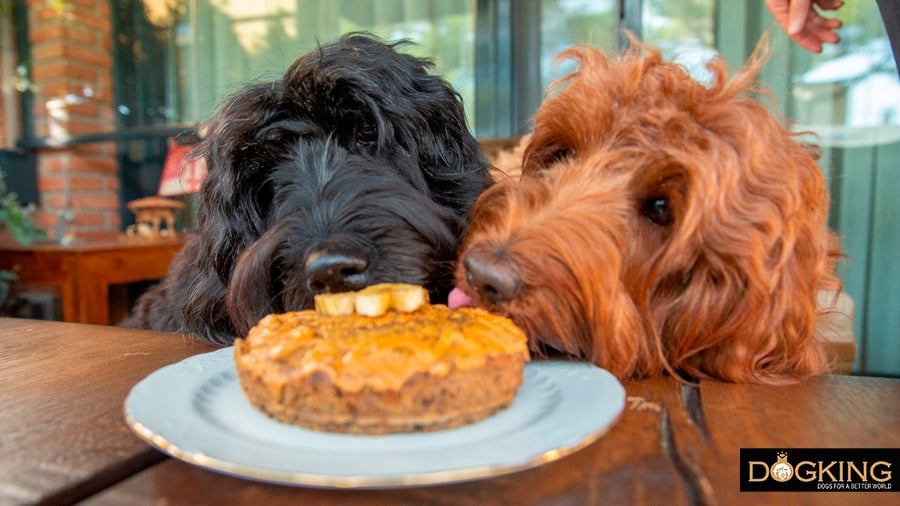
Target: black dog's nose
{"type": "Point", "coordinates": [336, 271]}
{"type": "Point", "coordinates": [493, 280]}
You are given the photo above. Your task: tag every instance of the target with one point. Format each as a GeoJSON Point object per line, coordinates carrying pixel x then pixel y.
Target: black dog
{"type": "Point", "coordinates": [356, 168]}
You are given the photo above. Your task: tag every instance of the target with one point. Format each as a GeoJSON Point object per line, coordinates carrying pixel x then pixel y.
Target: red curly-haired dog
{"type": "Point", "coordinates": [659, 225]}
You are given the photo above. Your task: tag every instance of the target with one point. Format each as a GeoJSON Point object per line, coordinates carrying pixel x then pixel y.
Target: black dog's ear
{"type": "Point", "coordinates": [251, 131]}
{"type": "Point", "coordinates": [248, 134]}
{"type": "Point", "coordinates": [248, 296]}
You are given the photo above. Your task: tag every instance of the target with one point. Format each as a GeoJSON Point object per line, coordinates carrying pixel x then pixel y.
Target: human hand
{"type": "Point", "coordinates": [803, 23]}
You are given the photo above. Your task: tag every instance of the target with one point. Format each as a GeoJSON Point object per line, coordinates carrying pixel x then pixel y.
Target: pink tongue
{"type": "Point", "coordinates": [458, 299]}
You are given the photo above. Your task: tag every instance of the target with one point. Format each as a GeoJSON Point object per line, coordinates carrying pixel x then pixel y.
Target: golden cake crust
{"type": "Point", "coordinates": [427, 369]}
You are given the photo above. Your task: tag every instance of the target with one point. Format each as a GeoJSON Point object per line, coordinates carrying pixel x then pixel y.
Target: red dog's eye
{"type": "Point", "coordinates": [551, 153]}
{"type": "Point", "coordinates": [656, 209]}
{"type": "Point", "coordinates": [560, 155]}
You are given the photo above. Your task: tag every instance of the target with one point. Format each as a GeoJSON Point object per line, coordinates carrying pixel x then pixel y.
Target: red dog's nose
{"type": "Point", "coordinates": [491, 277]}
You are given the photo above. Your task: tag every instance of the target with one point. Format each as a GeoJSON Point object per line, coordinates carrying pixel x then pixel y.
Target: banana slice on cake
{"type": "Point", "coordinates": [336, 304]}
{"type": "Point", "coordinates": [374, 300]}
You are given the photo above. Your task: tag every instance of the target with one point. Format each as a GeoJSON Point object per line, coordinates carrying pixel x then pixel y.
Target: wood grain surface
{"type": "Point", "coordinates": [62, 388]}
{"type": "Point", "coordinates": [64, 438]}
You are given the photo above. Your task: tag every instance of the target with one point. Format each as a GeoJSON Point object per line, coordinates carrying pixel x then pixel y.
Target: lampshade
{"type": "Point", "coordinates": [181, 175]}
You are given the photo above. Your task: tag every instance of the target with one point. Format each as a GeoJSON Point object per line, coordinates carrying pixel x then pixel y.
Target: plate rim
{"type": "Point", "coordinates": [332, 481]}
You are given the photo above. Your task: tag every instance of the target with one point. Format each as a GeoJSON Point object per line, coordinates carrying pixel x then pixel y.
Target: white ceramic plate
{"type": "Point", "coordinates": [195, 411]}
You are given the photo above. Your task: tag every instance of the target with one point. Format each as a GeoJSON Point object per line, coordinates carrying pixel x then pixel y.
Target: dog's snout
{"type": "Point", "coordinates": [330, 272]}
{"type": "Point", "coordinates": [492, 279]}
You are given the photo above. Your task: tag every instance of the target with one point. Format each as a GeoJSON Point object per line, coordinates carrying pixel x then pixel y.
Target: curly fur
{"type": "Point", "coordinates": [659, 225]}
{"type": "Point", "coordinates": [357, 151]}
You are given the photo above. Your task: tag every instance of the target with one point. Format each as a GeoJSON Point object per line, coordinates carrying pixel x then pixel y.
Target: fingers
{"type": "Point", "coordinates": [779, 10]}
{"type": "Point", "coordinates": [808, 41]}
{"type": "Point", "coordinates": [824, 29]}
{"type": "Point", "coordinates": [798, 12]}
{"type": "Point", "coordinates": [805, 23]}
{"type": "Point", "coordinates": [829, 5]}
{"type": "Point", "coordinates": [819, 30]}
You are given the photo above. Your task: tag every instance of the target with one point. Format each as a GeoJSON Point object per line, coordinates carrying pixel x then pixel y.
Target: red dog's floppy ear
{"type": "Point", "coordinates": [750, 309]}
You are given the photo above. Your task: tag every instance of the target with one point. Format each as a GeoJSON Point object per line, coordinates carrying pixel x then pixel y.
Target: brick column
{"type": "Point", "coordinates": [71, 68]}
{"type": "Point", "coordinates": [8, 96]}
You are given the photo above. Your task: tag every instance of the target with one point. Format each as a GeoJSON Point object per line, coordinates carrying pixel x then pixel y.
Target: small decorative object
{"type": "Point", "coordinates": [149, 215]}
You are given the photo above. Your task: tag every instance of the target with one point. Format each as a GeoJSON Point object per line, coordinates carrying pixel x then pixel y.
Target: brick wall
{"type": "Point", "coordinates": [7, 90]}
{"type": "Point", "coordinates": [71, 68]}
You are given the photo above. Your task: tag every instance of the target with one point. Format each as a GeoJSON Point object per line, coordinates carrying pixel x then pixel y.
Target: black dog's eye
{"type": "Point", "coordinates": [656, 209]}
{"type": "Point", "coordinates": [366, 134]}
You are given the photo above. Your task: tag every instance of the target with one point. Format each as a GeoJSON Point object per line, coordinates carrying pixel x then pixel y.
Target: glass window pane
{"type": "Point", "coordinates": [568, 22]}
{"type": "Point", "coordinates": [215, 48]}
{"type": "Point", "coordinates": [684, 30]}
{"type": "Point", "coordinates": [850, 91]}
{"type": "Point", "coordinates": [849, 96]}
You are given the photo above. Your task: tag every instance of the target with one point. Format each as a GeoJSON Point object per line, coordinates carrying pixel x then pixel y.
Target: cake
{"type": "Point", "coordinates": [403, 366]}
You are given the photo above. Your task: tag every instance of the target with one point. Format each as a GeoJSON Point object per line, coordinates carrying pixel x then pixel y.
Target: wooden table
{"type": "Point", "coordinates": [85, 271]}
{"type": "Point", "coordinates": [63, 438]}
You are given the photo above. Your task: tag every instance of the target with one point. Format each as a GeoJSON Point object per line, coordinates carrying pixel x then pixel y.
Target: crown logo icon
{"type": "Point", "coordinates": [782, 470]}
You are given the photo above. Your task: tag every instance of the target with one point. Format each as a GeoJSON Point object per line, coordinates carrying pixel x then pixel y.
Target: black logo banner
{"type": "Point", "coordinates": [819, 469]}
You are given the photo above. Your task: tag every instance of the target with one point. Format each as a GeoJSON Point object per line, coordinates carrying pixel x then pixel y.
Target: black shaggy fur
{"type": "Point", "coordinates": [356, 168]}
